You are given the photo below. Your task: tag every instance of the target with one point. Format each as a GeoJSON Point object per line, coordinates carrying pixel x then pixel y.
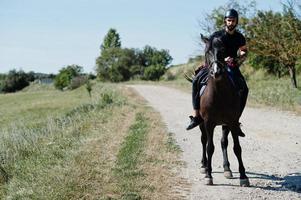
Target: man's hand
{"type": "Point", "coordinates": [242, 53]}
{"type": "Point", "coordinates": [229, 59]}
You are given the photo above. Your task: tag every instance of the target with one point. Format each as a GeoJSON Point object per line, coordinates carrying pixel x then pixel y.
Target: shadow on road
{"type": "Point", "coordinates": [291, 182]}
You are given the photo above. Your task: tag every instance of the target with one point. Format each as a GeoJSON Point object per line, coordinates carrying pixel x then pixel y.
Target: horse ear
{"type": "Point", "coordinates": [205, 39]}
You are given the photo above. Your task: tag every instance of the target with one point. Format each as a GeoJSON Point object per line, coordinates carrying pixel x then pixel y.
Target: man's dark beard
{"type": "Point", "coordinates": [231, 27]}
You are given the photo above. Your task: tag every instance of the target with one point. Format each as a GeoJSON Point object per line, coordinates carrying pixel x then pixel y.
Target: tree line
{"type": "Point", "coordinates": [16, 80]}
{"type": "Point", "coordinates": [122, 64]}
{"type": "Point", "coordinates": [114, 64]}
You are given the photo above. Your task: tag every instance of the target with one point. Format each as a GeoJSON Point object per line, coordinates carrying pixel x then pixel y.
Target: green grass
{"type": "Point", "coordinates": [171, 144]}
{"type": "Point", "coordinates": [32, 107]}
{"type": "Point", "coordinates": [127, 164]}
{"type": "Point", "coordinates": [271, 91]}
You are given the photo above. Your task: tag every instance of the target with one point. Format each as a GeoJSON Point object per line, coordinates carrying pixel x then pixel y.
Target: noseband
{"type": "Point", "coordinates": [213, 70]}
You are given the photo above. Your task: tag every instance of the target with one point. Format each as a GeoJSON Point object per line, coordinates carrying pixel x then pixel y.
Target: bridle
{"type": "Point", "coordinates": [215, 69]}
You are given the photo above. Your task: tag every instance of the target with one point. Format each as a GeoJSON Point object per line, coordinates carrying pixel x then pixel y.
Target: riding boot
{"type": "Point", "coordinates": [194, 121]}
{"type": "Point", "coordinates": [197, 83]}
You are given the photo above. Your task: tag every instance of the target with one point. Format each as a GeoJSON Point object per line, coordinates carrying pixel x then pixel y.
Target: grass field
{"type": "Point", "coordinates": [66, 145]}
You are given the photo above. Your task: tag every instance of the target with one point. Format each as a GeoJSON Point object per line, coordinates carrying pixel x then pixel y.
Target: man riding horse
{"type": "Point", "coordinates": [235, 54]}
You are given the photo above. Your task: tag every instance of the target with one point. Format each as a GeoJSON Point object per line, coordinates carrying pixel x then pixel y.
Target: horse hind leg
{"type": "Point", "coordinates": [224, 145]}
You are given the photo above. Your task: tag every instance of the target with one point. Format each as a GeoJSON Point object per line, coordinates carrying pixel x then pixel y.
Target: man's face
{"type": "Point", "coordinates": [231, 23]}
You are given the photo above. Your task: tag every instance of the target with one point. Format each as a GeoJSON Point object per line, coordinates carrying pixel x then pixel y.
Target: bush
{"type": "Point", "coordinates": [65, 76]}
{"type": "Point", "coordinates": [154, 72]}
{"type": "Point", "coordinates": [169, 76]}
{"type": "Point", "coordinates": [14, 81]}
{"type": "Point", "coordinates": [77, 81]}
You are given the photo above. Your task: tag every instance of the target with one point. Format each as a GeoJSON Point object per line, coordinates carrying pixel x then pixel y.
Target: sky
{"type": "Point", "coordinates": [47, 35]}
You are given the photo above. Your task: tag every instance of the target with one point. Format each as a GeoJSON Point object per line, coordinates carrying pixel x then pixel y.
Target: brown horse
{"type": "Point", "coordinates": [220, 105]}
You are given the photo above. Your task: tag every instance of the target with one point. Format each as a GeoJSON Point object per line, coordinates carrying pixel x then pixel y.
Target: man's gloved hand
{"type": "Point", "coordinates": [230, 61]}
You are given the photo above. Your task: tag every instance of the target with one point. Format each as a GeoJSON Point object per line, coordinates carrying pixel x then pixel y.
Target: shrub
{"type": "Point", "coordinates": [77, 81]}
{"type": "Point", "coordinates": [169, 76]}
{"type": "Point", "coordinates": [65, 76]}
{"type": "Point", "coordinates": [14, 81]}
{"type": "Point", "coordinates": [154, 72]}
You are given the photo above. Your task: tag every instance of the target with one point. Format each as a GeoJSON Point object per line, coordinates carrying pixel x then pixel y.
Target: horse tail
{"type": "Point", "coordinates": [189, 76]}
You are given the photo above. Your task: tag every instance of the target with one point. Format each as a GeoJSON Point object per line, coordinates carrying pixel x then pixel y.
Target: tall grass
{"type": "Point", "coordinates": [110, 146]}
{"type": "Point", "coordinates": [272, 91]}
{"type": "Point", "coordinates": [27, 152]}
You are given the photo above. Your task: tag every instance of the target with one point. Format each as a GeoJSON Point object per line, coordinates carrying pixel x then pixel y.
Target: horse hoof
{"type": "Point", "coordinates": [244, 182]}
{"type": "Point", "coordinates": [209, 181]}
{"type": "Point", "coordinates": [228, 174]}
{"type": "Point", "coordinates": [203, 170]}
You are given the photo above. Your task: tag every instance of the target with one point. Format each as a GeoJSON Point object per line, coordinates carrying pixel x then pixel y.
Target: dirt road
{"type": "Point", "coordinates": [271, 149]}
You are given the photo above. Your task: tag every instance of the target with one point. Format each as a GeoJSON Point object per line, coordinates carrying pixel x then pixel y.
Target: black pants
{"type": "Point", "coordinates": [202, 77]}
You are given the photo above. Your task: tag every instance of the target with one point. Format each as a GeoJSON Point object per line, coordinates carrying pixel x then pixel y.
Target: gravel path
{"type": "Point", "coordinates": [271, 149]}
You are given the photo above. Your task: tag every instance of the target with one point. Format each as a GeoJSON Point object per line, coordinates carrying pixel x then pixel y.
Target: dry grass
{"type": "Point", "coordinates": [91, 168]}
{"type": "Point", "coordinates": [78, 159]}
{"type": "Point", "coordinates": [160, 162]}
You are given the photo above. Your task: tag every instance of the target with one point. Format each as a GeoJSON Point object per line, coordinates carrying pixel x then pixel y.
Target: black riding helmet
{"type": "Point", "coordinates": [231, 13]}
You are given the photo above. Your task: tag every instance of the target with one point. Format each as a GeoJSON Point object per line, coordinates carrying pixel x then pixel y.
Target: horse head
{"type": "Point", "coordinates": [215, 55]}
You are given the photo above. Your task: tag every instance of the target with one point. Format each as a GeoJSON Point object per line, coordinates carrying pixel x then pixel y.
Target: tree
{"type": "Point", "coordinates": [121, 64]}
{"type": "Point", "coordinates": [277, 36]}
{"type": "Point", "coordinates": [155, 62]}
{"type": "Point", "coordinates": [214, 21]}
{"type": "Point", "coordinates": [152, 56]}
{"type": "Point", "coordinates": [63, 79]}
{"type": "Point", "coordinates": [111, 40]}
{"type": "Point", "coordinates": [115, 64]}
{"type": "Point", "coordinates": [14, 81]}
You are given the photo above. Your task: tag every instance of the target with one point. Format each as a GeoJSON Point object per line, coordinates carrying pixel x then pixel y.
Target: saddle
{"type": "Point", "coordinates": [202, 74]}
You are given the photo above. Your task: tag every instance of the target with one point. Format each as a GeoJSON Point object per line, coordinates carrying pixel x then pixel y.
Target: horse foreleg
{"type": "Point", "coordinates": [204, 144]}
{"type": "Point", "coordinates": [224, 144]}
{"type": "Point", "coordinates": [244, 181]}
{"type": "Point", "coordinates": [210, 149]}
